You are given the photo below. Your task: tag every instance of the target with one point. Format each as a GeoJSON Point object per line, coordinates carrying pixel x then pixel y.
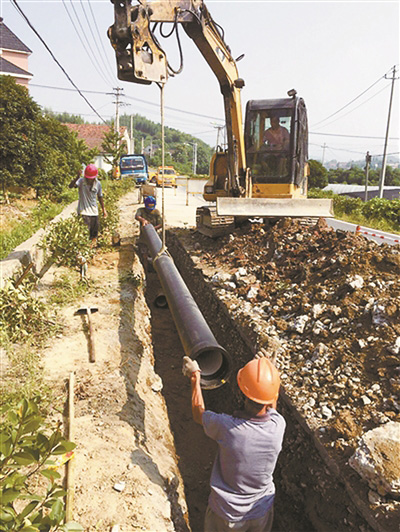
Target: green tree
{"type": "Point", "coordinates": [18, 120]}
{"type": "Point", "coordinates": [113, 147]}
{"type": "Point", "coordinates": [318, 175]}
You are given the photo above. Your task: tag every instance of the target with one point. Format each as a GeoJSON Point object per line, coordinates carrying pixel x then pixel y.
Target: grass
{"type": "Point", "coordinates": [380, 225]}
{"type": "Point", "coordinates": [68, 288]}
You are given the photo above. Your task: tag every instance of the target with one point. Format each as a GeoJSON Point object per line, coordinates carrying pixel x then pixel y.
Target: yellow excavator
{"type": "Point", "coordinates": [263, 172]}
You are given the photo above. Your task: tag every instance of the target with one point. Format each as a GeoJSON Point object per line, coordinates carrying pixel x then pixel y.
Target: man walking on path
{"type": "Point", "coordinates": [249, 442]}
{"type": "Point", "coordinates": [90, 190]}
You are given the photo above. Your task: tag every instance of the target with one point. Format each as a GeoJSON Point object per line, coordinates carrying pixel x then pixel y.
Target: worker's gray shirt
{"type": "Point", "coordinates": [87, 204]}
{"type": "Point", "coordinates": [241, 482]}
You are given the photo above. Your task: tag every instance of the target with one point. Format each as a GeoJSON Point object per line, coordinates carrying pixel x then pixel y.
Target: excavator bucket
{"type": "Point", "coordinates": [275, 208]}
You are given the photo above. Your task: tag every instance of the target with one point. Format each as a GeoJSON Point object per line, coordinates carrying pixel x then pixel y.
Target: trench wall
{"type": "Point", "coordinates": [311, 492]}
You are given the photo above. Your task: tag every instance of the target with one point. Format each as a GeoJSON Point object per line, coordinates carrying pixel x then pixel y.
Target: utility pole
{"type": "Point", "coordinates": [117, 94]}
{"type": "Point", "coordinates": [219, 129]}
{"type": "Point", "coordinates": [367, 163]}
{"type": "Point", "coordinates": [132, 137]}
{"type": "Point", "coordinates": [323, 152]}
{"type": "Point", "coordinates": [194, 158]}
{"type": "Point", "coordinates": [383, 170]}
{"type": "Point", "coordinates": [142, 145]}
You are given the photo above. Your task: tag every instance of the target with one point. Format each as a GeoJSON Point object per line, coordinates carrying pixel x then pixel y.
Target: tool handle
{"type": "Point", "coordinates": [92, 353]}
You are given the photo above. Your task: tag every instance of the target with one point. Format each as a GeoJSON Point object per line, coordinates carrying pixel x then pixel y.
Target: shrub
{"type": "Point", "coordinates": [28, 456]}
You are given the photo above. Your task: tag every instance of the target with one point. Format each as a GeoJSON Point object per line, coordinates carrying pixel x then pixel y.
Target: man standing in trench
{"type": "Point", "coordinates": [90, 190]}
{"type": "Point", "coordinates": [249, 442]}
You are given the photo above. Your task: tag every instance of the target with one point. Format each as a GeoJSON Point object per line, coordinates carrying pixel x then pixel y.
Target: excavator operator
{"type": "Point", "coordinates": [249, 442]}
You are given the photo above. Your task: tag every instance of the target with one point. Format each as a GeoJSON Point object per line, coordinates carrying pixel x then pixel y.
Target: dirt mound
{"type": "Point", "coordinates": [329, 304]}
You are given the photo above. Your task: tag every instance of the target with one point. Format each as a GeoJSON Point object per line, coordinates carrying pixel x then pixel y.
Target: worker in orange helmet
{"type": "Point", "coordinates": [249, 442]}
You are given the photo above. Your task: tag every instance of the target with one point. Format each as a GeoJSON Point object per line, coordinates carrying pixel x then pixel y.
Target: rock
{"type": "Point", "coordinates": [119, 486]}
{"type": "Point", "coordinates": [320, 350]}
{"type": "Point", "coordinates": [157, 385]}
{"type": "Point", "coordinates": [252, 293]}
{"type": "Point", "coordinates": [326, 412]}
{"type": "Point", "coordinates": [317, 310]}
{"type": "Point", "coordinates": [299, 323]}
{"type": "Point", "coordinates": [395, 349]}
{"type": "Point", "coordinates": [366, 400]}
{"type": "Point", "coordinates": [378, 314]}
{"type": "Point", "coordinates": [220, 278]}
{"type": "Point", "coordinates": [356, 282]}
{"type": "Point", "coordinates": [374, 498]}
{"type": "Point", "coordinates": [229, 286]}
{"type": "Point", "coordinates": [376, 459]}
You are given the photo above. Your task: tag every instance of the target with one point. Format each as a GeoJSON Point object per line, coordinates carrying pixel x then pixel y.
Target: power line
{"type": "Point", "coordinates": [94, 39]}
{"type": "Point", "coordinates": [14, 2]}
{"type": "Point", "coordinates": [100, 39]}
{"type": "Point", "coordinates": [350, 136]}
{"type": "Point", "coordinates": [347, 104]}
{"type": "Point", "coordinates": [355, 108]}
{"type": "Point", "coordinates": [91, 56]}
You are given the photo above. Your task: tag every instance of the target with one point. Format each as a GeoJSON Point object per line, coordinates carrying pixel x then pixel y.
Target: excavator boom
{"type": "Point", "coordinates": [264, 170]}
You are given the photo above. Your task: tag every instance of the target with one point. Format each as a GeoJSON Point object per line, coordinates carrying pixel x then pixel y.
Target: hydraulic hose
{"type": "Point", "coordinates": [196, 337]}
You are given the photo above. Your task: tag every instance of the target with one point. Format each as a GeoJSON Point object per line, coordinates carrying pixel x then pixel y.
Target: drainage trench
{"type": "Point", "coordinates": [310, 495]}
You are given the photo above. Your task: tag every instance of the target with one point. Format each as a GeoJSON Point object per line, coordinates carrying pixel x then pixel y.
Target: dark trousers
{"type": "Point", "coordinates": [92, 223]}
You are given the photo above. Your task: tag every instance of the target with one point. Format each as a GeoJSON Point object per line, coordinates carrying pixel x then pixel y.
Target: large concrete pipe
{"type": "Point", "coordinates": [197, 339]}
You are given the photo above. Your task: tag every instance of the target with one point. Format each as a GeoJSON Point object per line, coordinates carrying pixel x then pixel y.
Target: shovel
{"type": "Point", "coordinates": [89, 311]}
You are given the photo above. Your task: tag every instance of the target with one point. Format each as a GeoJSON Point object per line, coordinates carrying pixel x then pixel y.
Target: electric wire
{"type": "Point", "coordinates": [100, 39]}
{"type": "Point", "coordinates": [94, 39]}
{"type": "Point", "coordinates": [15, 4]}
{"type": "Point", "coordinates": [82, 33]}
{"type": "Point", "coordinates": [347, 104]}
{"type": "Point", "coordinates": [361, 104]}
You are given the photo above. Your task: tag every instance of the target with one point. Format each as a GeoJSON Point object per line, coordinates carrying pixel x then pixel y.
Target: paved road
{"type": "Point", "coordinates": [180, 208]}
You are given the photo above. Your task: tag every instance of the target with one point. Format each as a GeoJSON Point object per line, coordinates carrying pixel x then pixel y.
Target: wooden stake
{"type": "Point", "coordinates": [70, 464]}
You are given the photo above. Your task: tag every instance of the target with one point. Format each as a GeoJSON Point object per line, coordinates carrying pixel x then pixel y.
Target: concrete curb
{"type": "Point", "coordinates": [29, 250]}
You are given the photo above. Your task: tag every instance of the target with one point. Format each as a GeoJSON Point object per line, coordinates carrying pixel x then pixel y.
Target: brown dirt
{"type": "Point", "coordinates": [122, 430]}
{"type": "Point", "coordinates": [344, 358]}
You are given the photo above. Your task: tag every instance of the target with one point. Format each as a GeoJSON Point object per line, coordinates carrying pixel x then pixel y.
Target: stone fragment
{"type": "Point", "coordinates": [395, 348]}
{"type": "Point", "coordinates": [356, 282]}
{"type": "Point", "coordinates": [376, 459]}
{"type": "Point", "coordinates": [366, 400]}
{"type": "Point", "coordinates": [252, 293]}
{"type": "Point", "coordinates": [229, 286]}
{"type": "Point", "coordinates": [299, 323]}
{"type": "Point", "coordinates": [119, 486]}
{"type": "Point", "coordinates": [317, 310]}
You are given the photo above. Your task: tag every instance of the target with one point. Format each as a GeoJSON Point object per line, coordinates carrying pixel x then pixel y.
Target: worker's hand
{"type": "Point", "coordinates": [104, 214]}
{"type": "Point", "coordinates": [144, 222]}
{"type": "Point", "coordinates": [263, 353]}
{"type": "Point", "coordinates": [189, 367]}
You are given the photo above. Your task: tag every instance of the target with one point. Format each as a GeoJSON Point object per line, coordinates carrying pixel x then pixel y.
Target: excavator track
{"type": "Point", "coordinates": [210, 224]}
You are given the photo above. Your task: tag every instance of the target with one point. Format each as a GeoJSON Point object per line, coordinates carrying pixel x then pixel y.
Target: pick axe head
{"type": "Point", "coordinates": [84, 310]}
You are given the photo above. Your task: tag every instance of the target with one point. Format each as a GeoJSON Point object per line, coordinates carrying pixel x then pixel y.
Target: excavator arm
{"type": "Point", "coordinates": [141, 59]}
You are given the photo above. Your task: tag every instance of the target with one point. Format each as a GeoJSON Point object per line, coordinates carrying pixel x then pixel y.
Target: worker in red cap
{"type": "Point", "coordinates": [249, 442]}
{"type": "Point", "coordinates": [90, 190]}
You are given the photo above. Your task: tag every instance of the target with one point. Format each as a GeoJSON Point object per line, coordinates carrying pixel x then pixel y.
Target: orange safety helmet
{"type": "Point", "coordinates": [259, 380]}
{"type": "Point", "coordinates": [91, 171]}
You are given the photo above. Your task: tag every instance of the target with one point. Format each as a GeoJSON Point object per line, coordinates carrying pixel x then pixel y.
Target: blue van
{"type": "Point", "coordinates": [134, 166]}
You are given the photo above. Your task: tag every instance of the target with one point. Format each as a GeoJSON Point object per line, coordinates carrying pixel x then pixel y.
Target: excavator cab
{"type": "Point", "coordinates": [276, 140]}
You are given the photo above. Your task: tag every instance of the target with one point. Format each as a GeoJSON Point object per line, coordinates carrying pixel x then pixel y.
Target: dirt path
{"type": "Point", "coordinates": [122, 430]}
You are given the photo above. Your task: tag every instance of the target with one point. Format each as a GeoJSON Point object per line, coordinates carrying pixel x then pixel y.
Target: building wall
{"type": "Point", "coordinates": [20, 59]}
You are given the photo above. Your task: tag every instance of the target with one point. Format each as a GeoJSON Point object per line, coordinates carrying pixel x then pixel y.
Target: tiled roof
{"type": "Point", "coordinates": [9, 68]}
{"type": "Point", "coordinates": [9, 41]}
{"type": "Point", "coordinates": [92, 134]}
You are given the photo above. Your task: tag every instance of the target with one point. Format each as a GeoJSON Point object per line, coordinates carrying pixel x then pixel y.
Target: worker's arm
{"type": "Point", "coordinates": [73, 182]}
{"type": "Point", "coordinates": [142, 220]}
{"type": "Point", "coordinates": [191, 369]}
{"type": "Point", "coordinates": [101, 201]}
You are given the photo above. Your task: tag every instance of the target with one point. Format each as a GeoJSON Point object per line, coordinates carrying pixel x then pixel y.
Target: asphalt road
{"type": "Point", "coordinates": [181, 204]}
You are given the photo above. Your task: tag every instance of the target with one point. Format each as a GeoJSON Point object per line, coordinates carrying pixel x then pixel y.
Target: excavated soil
{"type": "Point", "coordinates": [328, 305]}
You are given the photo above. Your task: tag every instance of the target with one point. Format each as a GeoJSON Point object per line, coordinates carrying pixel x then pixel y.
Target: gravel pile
{"type": "Point", "coordinates": [328, 305]}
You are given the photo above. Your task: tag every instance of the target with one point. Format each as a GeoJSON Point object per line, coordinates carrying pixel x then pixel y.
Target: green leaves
{"type": "Point", "coordinates": [26, 450]}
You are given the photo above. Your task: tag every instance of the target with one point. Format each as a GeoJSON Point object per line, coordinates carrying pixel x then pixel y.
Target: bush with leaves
{"type": "Point", "coordinates": [22, 314]}
{"type": "Point", "coordinates": [31, 500]}
{"type": "Point", "coordinates": [67, 239]}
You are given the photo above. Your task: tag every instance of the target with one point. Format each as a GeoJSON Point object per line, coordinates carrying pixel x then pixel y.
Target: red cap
{"type": "Point", "coordinates": [91, 171]}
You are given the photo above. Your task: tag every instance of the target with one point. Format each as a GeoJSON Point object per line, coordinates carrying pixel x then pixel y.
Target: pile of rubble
{"type": "Point", "coordinates": [328, 305]}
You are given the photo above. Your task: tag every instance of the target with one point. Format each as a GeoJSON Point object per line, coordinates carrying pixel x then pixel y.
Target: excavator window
{"type": "Point", "coordinates": [268, 145]}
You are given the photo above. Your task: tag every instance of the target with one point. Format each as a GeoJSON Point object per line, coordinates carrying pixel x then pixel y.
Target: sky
{"type": "Point", "coordinates": [337, 55]}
